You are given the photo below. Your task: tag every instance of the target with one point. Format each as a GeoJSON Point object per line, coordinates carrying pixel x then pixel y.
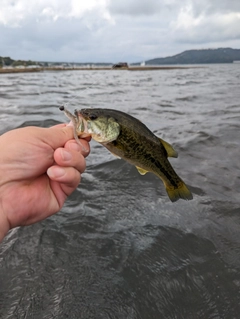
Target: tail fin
{"type": "Point", "coordinates": [181, 192]}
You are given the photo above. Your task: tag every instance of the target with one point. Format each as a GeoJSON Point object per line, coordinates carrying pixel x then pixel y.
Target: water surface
{"type": "Point", "coordinates": [119, 248]}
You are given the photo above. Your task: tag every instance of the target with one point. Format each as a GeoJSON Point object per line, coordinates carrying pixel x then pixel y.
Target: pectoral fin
{"type": "Point", "coordinates": [169, 149]}
{"type": "Point", "coordinates": [141, 170]}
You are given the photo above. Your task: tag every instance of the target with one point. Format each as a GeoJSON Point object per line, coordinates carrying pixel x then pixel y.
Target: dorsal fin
{"type": "Point", "coordinates": [169, 149]}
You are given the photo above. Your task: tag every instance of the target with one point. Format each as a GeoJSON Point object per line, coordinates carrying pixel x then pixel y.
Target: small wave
{"type": "Point", "coordinates": [189, 98]}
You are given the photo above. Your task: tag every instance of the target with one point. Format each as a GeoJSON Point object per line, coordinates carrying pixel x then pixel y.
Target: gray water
{"type": "Point", "coordinates": [119, 248]}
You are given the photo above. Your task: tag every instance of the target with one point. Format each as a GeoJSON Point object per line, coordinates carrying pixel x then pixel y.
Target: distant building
{"type": "Point", "coordinates": [33, 66]}
{"type": "Point", "coordinates": [7, 67]}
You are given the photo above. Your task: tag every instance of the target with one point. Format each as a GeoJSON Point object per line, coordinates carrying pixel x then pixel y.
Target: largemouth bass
{"type": "Point", "coordinates": [128, 138]}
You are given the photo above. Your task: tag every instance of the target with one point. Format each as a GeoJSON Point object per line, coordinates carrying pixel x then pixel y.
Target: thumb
{"type": "Point", "coordinates": [57, 136]}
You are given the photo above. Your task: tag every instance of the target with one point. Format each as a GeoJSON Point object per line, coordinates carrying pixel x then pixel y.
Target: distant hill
{"type": "Point", "coordinates": [221, 55]}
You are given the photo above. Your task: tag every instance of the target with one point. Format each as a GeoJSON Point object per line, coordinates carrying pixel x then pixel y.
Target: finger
{"type": "Point", "coordinates": [68, 177]}
{"type": "Point", "coordinates": [60, 125]}
{"type": "Point", "coordinates": [70, 158]}
{"type": "Point", "coordinates": [57, 136]}
{"type": "Point", "coordinates": [83, 146]}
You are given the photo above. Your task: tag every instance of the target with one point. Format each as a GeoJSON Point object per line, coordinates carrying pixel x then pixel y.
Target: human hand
{"type": "Point", "coordinates": [39, 168]}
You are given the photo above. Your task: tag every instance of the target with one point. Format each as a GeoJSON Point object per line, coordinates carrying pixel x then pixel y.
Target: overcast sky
{"type": "Point", "coordinates": [115, 30]}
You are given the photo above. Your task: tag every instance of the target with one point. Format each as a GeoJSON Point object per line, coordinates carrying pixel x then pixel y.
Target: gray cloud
{"type": "Point", "coordinates": [209, 7]}
{"type": "Point", "coordinates": [134, 7]}
{"type": "Point", "coordinates": [115, 30]}
{"type": "Point", "coordinates": [206, 23]}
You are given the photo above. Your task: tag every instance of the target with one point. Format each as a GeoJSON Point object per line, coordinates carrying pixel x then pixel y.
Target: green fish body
{"type": "Point", "coordinates": [128, 138]}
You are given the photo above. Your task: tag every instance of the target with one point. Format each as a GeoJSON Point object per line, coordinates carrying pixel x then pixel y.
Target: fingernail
{"type": "Point", "coordinates": [55, 172]}
{"type": "Point", "coordinates": [66, 156]}
{"type": "Point", "coordinates": [75, 147]}
{"type": "Point", "coordinates": [83, 147]}
{"type": "Point", "coordinates": [78, 146]}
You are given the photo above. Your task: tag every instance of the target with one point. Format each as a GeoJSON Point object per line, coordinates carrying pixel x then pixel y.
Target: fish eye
{"type": "Point", "coordinates": [93, 117]}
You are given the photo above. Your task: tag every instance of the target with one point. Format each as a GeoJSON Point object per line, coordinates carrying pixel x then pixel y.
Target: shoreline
{"type": "Point", "coordinates": [133, 68]}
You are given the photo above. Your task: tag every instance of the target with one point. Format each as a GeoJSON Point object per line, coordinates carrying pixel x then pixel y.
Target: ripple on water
{"type": "Point", "coordinates": [119, 248]}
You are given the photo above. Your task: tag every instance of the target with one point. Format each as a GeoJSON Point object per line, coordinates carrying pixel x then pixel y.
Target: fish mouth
{"type": "Point", "coordinates": [81, 124]}
{"type": "Point", "coordinates": [83, 113]}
